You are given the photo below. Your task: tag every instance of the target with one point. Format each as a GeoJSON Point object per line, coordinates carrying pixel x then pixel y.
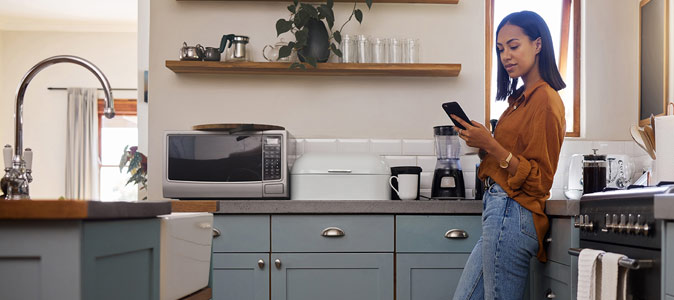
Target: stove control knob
{"type": "Point", "coordinates": [633, 224]}
{"type": "Point", "coordinates": [587, 225]}
{"type": "Point", "coordinates": [577, 222]}
{"type": "Point", "coordinates": [609, 224]}
{"type": "Point", "coordinates": [646, 229]}
{"type": "Point", "coordinates": [638, 228]}
{"type": "Point", "coordinates": [623, 223]}
{"type": "Point", "coordinates": [615, 223]}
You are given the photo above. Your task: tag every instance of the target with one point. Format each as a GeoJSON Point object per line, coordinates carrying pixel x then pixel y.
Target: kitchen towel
{"type": "Point", "coordinates": [613, 277]}
{"type": "Point", "coordinates": [587, 274]}
{"type": "Point", "coordinates": [663, 167]}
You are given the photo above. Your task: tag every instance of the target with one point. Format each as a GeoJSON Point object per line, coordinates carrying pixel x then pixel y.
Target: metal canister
{"type": "Point", "coordinates": [238, 51]}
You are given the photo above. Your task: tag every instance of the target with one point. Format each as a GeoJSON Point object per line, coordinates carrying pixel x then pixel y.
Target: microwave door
{"type": "Point", "coordinates": [215, 158]}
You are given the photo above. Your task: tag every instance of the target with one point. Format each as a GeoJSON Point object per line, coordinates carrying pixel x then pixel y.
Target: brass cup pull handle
{"type": "Point", "coordinates": [456, 234]}
{"type": "Point", "coordinates": [332, 232]}
{"type": "Point", "coordinates": [550, 295]}
{"type": "Point", "coordinates": [216, 232]}
{"type": "Point", "coordinates": [260, 263]}
{"type": "Point", "coordinates": [277, 262]}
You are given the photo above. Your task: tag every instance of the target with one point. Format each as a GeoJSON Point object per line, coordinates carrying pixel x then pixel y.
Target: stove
{"type": "Point", "coordinates": [623, 221]}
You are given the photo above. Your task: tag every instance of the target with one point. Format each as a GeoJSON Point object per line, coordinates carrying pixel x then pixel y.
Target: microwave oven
{"type": "Point", "coordinates": [222, 165]}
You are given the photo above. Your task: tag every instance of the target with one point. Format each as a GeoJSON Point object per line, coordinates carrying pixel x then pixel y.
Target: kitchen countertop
{"type": "Point", "coordinates": [553, 207]}
{"type": "Point", "coordinates": [73, 209]}
{"type": "Point", "coordinates": [664, 206]}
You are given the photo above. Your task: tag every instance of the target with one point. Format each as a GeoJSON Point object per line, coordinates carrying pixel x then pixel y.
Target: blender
{"type": "Point", "coordinates": [448, 177]}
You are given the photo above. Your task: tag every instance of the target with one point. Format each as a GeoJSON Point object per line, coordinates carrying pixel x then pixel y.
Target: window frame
{"type": "Point", "coordinates": [567, 5]}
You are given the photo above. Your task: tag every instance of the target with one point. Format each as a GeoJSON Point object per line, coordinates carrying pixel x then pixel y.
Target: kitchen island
{"type": "Point", "coordinates": [62, 249]}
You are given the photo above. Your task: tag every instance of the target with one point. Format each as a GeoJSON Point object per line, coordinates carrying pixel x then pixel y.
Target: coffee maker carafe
{"type": "Point", "coordinates": [448, 177]}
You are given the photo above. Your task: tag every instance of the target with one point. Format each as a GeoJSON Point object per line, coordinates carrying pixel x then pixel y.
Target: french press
{"type": "Point", "coordinates": [594, 172]}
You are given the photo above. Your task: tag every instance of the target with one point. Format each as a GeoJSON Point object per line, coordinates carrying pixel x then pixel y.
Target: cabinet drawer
{"type": "Point", "coordinates": [427, 233]}
{"type": "Point", "coordinates": [559, 241]}
{"type": "Point", "coordinates": [241, 233]}
{"type": "Point", "coordinates": [552, 289]}
{"type": "Point", "coordinates": [345, 233]}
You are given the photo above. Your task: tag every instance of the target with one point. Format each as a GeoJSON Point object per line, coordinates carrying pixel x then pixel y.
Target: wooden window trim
{"type": "Point", "coordinates": [123, 107]}
{"type": "Point", "coordinates": [566, 16]}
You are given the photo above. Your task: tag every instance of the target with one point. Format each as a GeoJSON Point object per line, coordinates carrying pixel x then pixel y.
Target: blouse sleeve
{"type": "Point", "coordinates": [538, 161]}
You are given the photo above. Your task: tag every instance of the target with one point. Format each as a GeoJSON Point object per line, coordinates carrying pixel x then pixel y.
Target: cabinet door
{"type": "Point", "coordinates": [432, 276]}
{"type": "Point", "coordinates": [332, 276]}
{"type": "Point", "coordinates": [669, 258]}
{"type": "Point", "coordinates": [241, 276]}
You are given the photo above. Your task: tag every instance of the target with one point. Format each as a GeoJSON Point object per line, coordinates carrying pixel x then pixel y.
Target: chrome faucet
{"type": "Point", "coordinates": [18, 168]}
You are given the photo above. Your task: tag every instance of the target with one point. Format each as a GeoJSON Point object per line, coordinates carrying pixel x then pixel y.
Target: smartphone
{"type": "Point", "coordinates": [453, 108]}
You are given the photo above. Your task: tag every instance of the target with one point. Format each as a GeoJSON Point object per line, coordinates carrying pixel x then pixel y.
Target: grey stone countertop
{"type": "Point", "coordinates": [664, 206]}
{"type": "Point", "coordinates": [554, 207]}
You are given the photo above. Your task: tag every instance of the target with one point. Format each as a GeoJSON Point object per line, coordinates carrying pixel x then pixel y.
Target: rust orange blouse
{"type": "Point", "coordinates": [533, 129]}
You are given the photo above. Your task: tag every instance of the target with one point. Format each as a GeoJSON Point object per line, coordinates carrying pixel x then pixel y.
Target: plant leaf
{"type": "Point", "coordinates": [327, 13]}
{"type": "Point", "coordinates": [337, 36]}
{"type": "Point", "coordinates": [369, 3]}
{"type": "Point", "coordinates": [283, 26]}
{"type": "Point", "coordinates": [310, 10]}
{"type": "Point", "coordinates": [295, 2]}
{"type": "Point", "coordinates": [285, 51]}
{"type": "Point", "coordinates": [124, 159]}
{"type": "Point", "coordinates": [331, 3]}
{"type": "Point", "coordinates": [312, 61]}
{"type": "Point", "coordinates": [301, 38]}
{"type": "Point", "coordinates": [292, 8]}
{"type": "Point", "coordinates": [301, 18]}
{"type": "Point", "coordinates": [359, 15]}
{"type": "Point", "coordinates": [335, 50]}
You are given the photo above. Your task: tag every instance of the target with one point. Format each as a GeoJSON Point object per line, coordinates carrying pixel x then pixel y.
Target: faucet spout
{"type": "Point", "coordinates": [18, 164]}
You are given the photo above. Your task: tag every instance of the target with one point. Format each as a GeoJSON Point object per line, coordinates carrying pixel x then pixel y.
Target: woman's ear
{"type": "Point", "coordinates": [537, 42]}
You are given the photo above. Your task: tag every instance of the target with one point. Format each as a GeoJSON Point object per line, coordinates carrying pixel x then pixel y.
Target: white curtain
{"type": "Point", "coordinates": [82, 145]}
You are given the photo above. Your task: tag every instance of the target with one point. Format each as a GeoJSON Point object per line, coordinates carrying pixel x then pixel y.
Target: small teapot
{"type": "Point", "coordinates": [213, 53]}
{"type": "Point", "coordinates": [271, 53]}
{"type": "Point", "coordinates": [191, 52]}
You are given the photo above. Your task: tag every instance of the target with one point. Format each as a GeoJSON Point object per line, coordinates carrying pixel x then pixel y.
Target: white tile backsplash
{"type": "Point", "coordinates": [427, 163]}
{"type": "Point", "coordinates": [609, 147]}
{"type": "Point", "coordinates": [353, 145]}
{"type": "Point", "coordinates": [468, 162]}
{"type": "Point", "coordinates": [418, 147]}
{"type": "Point", "coordinates": [299, 147]}
{"type": "Point", "coordinates": [570, 147]}
{"type": "Point", "coordinates": [426, 180]}
{"type": "Point", "coordinates": [469, 179]}
{"type": "Point", "coordinates": [320, 145]}
{"type": "Point", "coordinates": [397, 161]}
{"type": "Point", "coordinates": [386, 147]}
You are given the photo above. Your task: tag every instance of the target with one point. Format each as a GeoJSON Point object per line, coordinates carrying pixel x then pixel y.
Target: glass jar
{"type": "Point", "coordinates": [363, 49]}
{"type": "Point", "coordinates": [348, 48]}
{"type": "Point", "coordinates": [411, 51]}
{"type": "Point", "coordinates": [379, 50]}
{"type": "Point", "coordinates": [395, 51]}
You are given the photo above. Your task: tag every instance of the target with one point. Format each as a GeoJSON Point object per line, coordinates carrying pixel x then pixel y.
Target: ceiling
{"type": "Point", "coordinates": [69, 15]}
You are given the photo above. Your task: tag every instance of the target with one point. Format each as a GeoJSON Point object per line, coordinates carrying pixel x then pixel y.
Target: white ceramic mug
{"type": "Point", "coordinates": [408, 186]}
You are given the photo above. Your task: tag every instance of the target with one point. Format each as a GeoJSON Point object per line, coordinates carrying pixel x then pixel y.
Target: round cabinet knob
{"type": "Point", "coordinates": [550, 295]}
{"type": "Point", "coordinates": [277, 262]}
{"type": "Point", "coordinates": [332, 232]}
{"type": "Point", "coordinates": [216, 232]}
{"type": "Point", "coordinates": [456, 234]}
{"type": "Point", "coordinates": [260, 263]}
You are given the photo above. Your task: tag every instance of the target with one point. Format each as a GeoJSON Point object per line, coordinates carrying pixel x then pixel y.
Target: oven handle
{"type": "Point", "coordinates": [625, 262]}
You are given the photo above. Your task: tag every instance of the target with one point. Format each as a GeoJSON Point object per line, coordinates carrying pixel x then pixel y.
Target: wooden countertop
{"type": "Point", "coordinates": [74, 209]}
{"type": "Point", "coordinates": [210, 206]}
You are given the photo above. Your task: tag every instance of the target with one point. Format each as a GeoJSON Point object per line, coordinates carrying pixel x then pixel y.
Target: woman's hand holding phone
{"type": "Point", "coordinates": [475, 134]}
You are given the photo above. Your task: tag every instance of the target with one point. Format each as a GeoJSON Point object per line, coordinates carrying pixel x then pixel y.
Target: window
{"type": "Point", "coordinates": [566, 41]}
{"type": "Point", "coordinates": [115, 134]}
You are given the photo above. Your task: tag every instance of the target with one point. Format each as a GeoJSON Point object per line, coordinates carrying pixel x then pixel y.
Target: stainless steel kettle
{"type": "Point", "coordinates": [191, 52]}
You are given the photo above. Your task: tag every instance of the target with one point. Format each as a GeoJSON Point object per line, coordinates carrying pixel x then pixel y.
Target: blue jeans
{"type": "Point", "coordinates": [498, 267]}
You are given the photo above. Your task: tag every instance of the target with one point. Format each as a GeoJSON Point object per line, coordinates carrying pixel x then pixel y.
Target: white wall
{"type": "Point", "coordinates": [610, 71]}
{"type": "Point", "coordinates": [45, 111]}
{"type": "Point", "coordinates": [143, 65]}
{"type": "Point", "coordinates": [311, 107]}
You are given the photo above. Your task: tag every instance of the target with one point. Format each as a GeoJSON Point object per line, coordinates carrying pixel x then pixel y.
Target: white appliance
{"type": "Point", "coordinates": [619, 173]}
{"type": "Point", "coordinates": [340, 176]}
{"type": "Point", "coordinates": [185, 253]}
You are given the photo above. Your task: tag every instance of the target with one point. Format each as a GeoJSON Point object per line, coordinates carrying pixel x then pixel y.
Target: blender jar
{"type": "Point", "coordinates": [448, 176]}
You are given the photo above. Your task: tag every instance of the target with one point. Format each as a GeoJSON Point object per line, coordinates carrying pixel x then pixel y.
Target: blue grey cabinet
{"type": "Point", "coordinates": [668, 261]}
{"type": "Point", "coordinates": [241, 276]}
{"type": "Point", "coordinates": [559, 276]}
{"type": "Point", "coordinates": [431, 276]}
{"type": "Point", "coordinates": [332, 276]}
{"type": "Point", "coordinates": [80, 259]}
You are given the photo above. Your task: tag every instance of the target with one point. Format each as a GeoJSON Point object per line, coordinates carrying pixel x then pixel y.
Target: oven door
{"type": "Point", "coordinates": [642, 283]}
{"type": "Point", "coordinates": [213, 165]}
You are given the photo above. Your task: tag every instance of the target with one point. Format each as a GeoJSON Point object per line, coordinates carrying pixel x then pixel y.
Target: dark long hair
{"type": "Point", "coordinates": [534, 27]}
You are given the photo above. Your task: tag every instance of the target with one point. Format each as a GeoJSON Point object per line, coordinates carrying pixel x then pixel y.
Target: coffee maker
{"type": "Point", "coordinates": [448, 177]}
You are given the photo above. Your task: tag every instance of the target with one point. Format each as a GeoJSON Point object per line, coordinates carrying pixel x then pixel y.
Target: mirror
{"type": "Point", "coordinates": [653, 60]}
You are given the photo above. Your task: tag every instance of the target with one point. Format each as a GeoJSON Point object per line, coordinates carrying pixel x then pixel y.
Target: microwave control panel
{"type": "Point", "coordinates": [272, 157]}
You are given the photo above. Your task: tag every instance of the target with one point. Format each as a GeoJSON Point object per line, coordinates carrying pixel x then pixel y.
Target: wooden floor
{"type": "Point", "coordinates": [202, 294]}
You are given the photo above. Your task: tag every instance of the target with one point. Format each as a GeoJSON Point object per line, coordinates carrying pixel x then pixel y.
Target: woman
{"type": "Point", "coordinates": [518, 162]}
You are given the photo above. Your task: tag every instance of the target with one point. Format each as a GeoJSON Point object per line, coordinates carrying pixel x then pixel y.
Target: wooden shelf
{"type": "Point", "coordinates": [351, 1]}
{"type": "Point", "coordinates": [324, 69]}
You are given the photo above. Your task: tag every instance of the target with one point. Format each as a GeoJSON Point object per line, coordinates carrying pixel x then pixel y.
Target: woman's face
{"type": "Point", "coordinates": [516, 51]}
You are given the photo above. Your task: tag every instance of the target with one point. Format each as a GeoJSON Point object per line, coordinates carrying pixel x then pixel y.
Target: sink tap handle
{"type": "Point", "coordinates": [7, 155]}
{"type": "Point", "coordinates": [28, 158]}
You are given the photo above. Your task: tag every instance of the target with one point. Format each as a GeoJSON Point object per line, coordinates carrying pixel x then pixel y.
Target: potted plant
{"type": "Point", "coordinates": [136, 163]}
{"type": "Point", "coordinates": [313, 42]}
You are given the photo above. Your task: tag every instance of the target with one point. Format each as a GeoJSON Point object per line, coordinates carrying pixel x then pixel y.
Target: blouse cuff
{"type": "Point", "coordinates": [523, 169]}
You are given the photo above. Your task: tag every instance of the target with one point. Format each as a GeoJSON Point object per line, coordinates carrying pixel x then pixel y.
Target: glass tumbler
{"type": "Point", "coordinates": [363, 49]}
{"type": "Point", "coordinates": [411, 51]}
{"type": "Point", "coordinates": [395, 51]}
{"type": "Point", "coordinates": [379, 50]}
{"type": "Point", "coordinates": [348, 48]}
